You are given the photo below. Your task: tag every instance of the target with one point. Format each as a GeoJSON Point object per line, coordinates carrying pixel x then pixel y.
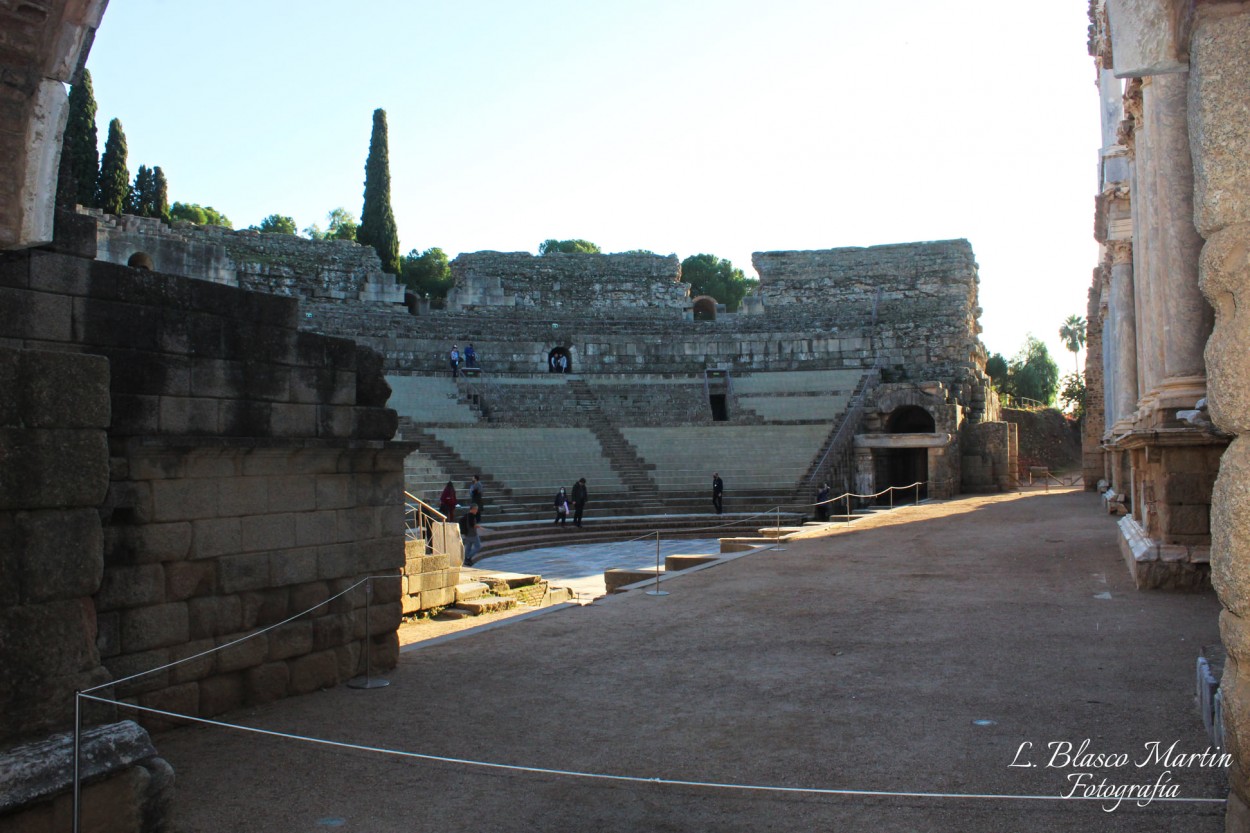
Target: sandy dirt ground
{"type": "Point", "coordinates": [924, 651]}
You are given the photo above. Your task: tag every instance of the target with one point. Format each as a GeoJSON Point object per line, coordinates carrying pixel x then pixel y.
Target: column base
{"type": "Point", "coordinates": [1158, 566]}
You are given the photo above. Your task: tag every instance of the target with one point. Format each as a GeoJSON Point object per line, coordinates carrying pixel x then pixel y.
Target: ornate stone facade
{"type": "Point", "coordinates": [1186, 136]}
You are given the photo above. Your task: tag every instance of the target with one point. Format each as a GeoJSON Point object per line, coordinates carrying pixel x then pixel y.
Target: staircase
{"type": "Point", "coordinates": [622, 456]}
{"type": "Point", "coordinates": [836, 461]}
{"type": "Point", "coordinates": [459, 471]}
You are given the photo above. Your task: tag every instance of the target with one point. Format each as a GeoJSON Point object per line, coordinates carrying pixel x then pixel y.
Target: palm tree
{"type": "Point", "coordinates": [1073, 335]}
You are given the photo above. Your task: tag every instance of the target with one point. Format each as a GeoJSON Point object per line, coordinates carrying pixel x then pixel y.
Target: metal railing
{"type": "Point", "coordinates": [845, 432]}
{"type": "Point", "coordinates": [418, 515]}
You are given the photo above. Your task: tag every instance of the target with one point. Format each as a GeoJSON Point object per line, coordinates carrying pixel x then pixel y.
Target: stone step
{"type": "Point", "coordinates": [469, 590]}
{"type": "Point", "coordinates": [486, 604]}
{"type": "Point", "coordinates": [619, 577]}
{"type": "Point", "coordinates": [679, 561]}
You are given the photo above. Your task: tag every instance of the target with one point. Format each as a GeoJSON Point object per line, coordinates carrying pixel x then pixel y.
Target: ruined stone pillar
{"type": "Point", "coordinates": [1180, 318]}
{"type": "Point", "coordinates": [1219, 131]}
{"type": "Point", "coordinates": [1123, 350]}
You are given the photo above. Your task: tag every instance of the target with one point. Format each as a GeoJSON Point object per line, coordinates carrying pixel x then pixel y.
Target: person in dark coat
{"type": "Point", "coordinates": [822, 508]}
{"type": "Point", "coordinates": [718, 491]}
{"type": "Point", "coordinates": [469, 526]}
{"type": "Point", "coordinates": [475, 494]}
{"type": "Point", "coordinates": [447, 501]}
{"type": "Point", "coordinates": [580, 496]}
{"type": "Point", "coordinates": [561, 504]}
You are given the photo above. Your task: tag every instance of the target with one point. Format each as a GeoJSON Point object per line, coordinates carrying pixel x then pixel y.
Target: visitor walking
{"type": "Point", "coordinates": [454, 357]}
{"type": "Point", "coordinates": [562, 507]}
{"type": "Point", "coordinates": [475, 494]}
{"type": "Point", "coordinates": [822, 508]}
{"type": "Point", "coordinates": [718, 491]}
{"type": "Point", "coordinates": [470, 523]}
{"type": "Point", "coordinates": [447, 501]}
{"type": "Point", "coordinates": [470, 355]}
{"type": "Point", "coordinates": [580, 496]}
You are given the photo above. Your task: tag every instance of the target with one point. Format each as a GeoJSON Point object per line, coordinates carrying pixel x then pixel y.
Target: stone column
{"type": "Point", "coordinates": [1123, 349]}
{"type": "Point", "coordinates": [1146, 247]}
{"type": "Point", "coordinates": [1219, 135]}
{"type": "Point", "coordinates": [1182, 316]}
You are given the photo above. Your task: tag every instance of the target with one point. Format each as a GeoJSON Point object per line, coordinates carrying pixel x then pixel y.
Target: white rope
{"type": "Point", "coordinates": [878, 494]}
{"type": "Point", "coordinates": [635, 779]}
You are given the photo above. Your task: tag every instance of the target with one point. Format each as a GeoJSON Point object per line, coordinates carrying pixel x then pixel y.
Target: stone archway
{"type": "Point", "coordinates": [705, 308]}
{"type": "Point", "coordinates": [910, 419]}
{"type": "Point", "coordinates": [903, 465]}
{"type": "Point", "coordinates": [560, 360]}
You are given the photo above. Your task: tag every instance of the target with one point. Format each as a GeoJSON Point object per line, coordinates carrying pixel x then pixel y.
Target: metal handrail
{"type": "Point", "coordinates": [850, 420]}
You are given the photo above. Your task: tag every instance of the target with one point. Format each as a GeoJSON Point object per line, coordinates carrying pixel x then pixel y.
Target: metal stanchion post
{"type": "Point", "coordinates": [367, 681]}
{"type": "Point", "coordinates": [656, 591]}
{"type": "Point", "coordinates": [891, 491]}
{"type": "Point", "coordinates": [777, 532]}
{"type": "Point", "coordinates": [77, 756]}
{"type": "Point", "coordinates": [848, 506]}
{"type": "Point", "coordinates": [917, 492]}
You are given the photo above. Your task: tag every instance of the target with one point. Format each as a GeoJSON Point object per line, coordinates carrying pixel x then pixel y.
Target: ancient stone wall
{"type": "Point", "coordinates": [249, 479]}
{"type": "Point", "coordinates": [277, 264]}
{"type": "Point", "coordinates": [1094, 420]}
{"type": "Point", "coordinates": [570, 283]}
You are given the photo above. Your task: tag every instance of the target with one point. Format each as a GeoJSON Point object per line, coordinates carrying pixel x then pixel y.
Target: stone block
{"type": "Point", "coordinates": [241, 651]}
{"type": "Point", "coordinates": [61, 554]}
{"type": "Point", "coordinates": [292, 566]}
{"type": "Point", "coordinates": [316, 528]}
{"type": "Point", "coordinates": [1187, 520]}
{"type": "Point", "coordinates": [314, 671]}
{"type": "Point", "coordinates": [242, 418]}
{"type": "Point", "coordinates": [335, 561]}
{"type": "Point", "coordinates": [135, 414]}
{"type": "Point", "coordinates": [266, 683]}
{"type": "Point", "coordinates": [292, 494]}
{"type": "Point", "coordinates": [148, 543]}
{"type": "Point", "coordinates": [334, 421]}
{"type": "Point", "coordinates": [64, 390]}
{"type": "Point", "coordinates": [179, 699]}
{"type": "Point", "coordinates": [310, 598]}
{"type": "Point", "coordinates": [182, 500]}
{"type": "Point", "coordinates": [265, 607]}
{"type": "Point", "coordinates": [195, 660]}
{"type": "Point", "coordinates": [1219, 74]}
{"type": "Point", "coordinates": [249, 571]}
{"type": "Point", "coordinates": [126, 587]}
{"type": "Point", "coordinates": [292, 420]}
{"type": "Point", "coordinates": [35, 315]}
{"type": "Point", "coordinates": [1230, 532]}
{"type": "Point", "coordinates": [138, 671]}
{"type": "Point", "coordinates": [379, 555]}
{"type": "Point", "coordinates": [216, 537]}
{"type": "Point", "coordinates": [36, 461]}
{"type": "Point", "coordinates": [267, 532]}
{"type": "Point", "coordinates": [221, 694]}
{"type": "Point", "coordinates": [438, 597]}
{"type": "Point", "coordinates": [238, 496]}
{"type": "Point", "coordinates": [291, 640]}
{"type": "Point", "coordinates": [335, 491]}
{"type": "Point", "coordinates": [331, 631]}
{"type": "Point", "coordinates": [212, 616]}
{"type": "Point", "coordinates": [375, 423]}
{"type": "Point", "coordinates": [148, 373]}
{"type": "Point", "coordinates": [109, 634]}
{"type": "Point", "coordinates": [359, 523]}
{"type": "Point", "coordinates": [181, 415]}
{"type": "Point", "coordinates": [155, 626]}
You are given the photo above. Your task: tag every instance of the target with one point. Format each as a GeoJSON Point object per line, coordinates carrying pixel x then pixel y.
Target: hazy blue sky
{"type": "Point", "coordinates": [678, 126]}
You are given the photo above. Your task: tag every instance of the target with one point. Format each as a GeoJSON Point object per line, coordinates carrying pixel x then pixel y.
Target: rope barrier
{"type": "Point", "coordinates": [633, 779]}
{"type": "Point", "coordinates": [878, 494]}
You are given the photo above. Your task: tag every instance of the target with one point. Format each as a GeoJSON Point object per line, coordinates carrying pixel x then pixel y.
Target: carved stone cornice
{"type": "Point", "coordinates": [1127, 130]}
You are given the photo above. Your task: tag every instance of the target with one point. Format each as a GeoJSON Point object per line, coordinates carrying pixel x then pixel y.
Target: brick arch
{"type": "Point", "coordinates": [49, 46]}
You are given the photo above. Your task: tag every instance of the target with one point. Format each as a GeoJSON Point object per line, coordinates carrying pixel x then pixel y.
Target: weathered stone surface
{"type": "Point", "coordinates": [1230, 530]}
{"type": "Point", "coordinates": [1219, 118]}
{"type": "Point", "coordinates": [157, 626]}
{"type": "Point", "coordinates": [314, 671]}
{"type": "Point", "coordinates": [60, 553]}
{"type": "Point", "coordinates": [36, 463]}
{"type": "Point", "coordinates": [1224, 273]}
{"type": "Point", "coordinates": [265, 683]}
{"type": "Point", "coordinates": [1146, 37]}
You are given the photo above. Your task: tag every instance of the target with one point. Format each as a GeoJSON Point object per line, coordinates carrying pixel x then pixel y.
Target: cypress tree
{"type": "Point", "coordinates": [114, 185]}
{"type": "Point", "coordinates": [140, 193]}
{"type": "Point", "coordinates": [160, 195]}
{"type": "Point", "coordinates": [81, 143]}
{"type": "Point", "coordinates": [377, 221]}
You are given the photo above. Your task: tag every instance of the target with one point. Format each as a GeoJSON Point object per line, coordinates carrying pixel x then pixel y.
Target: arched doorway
{"type": "Point", "coordinates": [903, 466]}
{"type": "Point", "coordinates": [705, 308]}
{"type": "Point", "coordinates": [560, 360]}
{"type": "Point", "coordinates": [141, 260]}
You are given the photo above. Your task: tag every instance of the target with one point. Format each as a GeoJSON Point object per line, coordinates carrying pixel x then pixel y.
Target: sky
{"type": "Point", "coordinates": [678, 126]}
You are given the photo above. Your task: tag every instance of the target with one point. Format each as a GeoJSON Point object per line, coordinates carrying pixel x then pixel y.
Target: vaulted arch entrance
{"type": "Point", "coordinates": [559, 360]}
{"type": "Point", "coordinates": [903, 465]}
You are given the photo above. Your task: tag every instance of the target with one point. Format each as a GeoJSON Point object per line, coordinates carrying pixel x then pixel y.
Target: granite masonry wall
{"type": "Point", "coordinates": [248, 478]}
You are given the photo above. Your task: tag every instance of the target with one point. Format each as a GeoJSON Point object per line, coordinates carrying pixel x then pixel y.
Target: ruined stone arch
{"type": "Point", "coordinates": [704, 308]}
{"type": "Point", "coordinates": [910, 419]}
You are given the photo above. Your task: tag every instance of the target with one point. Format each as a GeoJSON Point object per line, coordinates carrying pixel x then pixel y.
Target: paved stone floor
{"type": "Point", "coordinates": [580, 567]}
{"type": "Point", "coordinates": [921, 651]}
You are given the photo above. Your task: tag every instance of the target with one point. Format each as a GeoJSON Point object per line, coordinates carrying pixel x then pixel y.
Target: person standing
{"type": "Point", "coordinates": [822, 507]}
{"type": "Point", "coordinates": [447, 501]}
{"type": "Point", "coordinates": [718, 491]}
{"type": "Point", "coordinates": [475, 494]}
{"type": "Point", "coordinates": [580, 496]}
{"type": "Point", "coordinates": [454, 357]}
{"type": "Point", "coordinates": [562, 507]}
{"type": "Point", "coordinates": [469, 526]}
{"type": "Point", "coordinates": [470, 355]}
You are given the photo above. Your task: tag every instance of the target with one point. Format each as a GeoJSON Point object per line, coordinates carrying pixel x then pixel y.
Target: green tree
{"type": "Point", "coordinates": [275, 224]}
{"type": "Point", "coordinates": [113, 186]}
{"type": "Point", "coordinates": [710, 275]}
{"type": "Point", "coordinates": [139, 191]}
{"type": "Point", "coordinates": [1073, 334]}
{"type": "Point", "coordinates": [377, 220]}
{"type": "Point", "coordinates": [428, 274]}
{"type": "Point", "coordinates": [996, 369]}
{"type": "Point", "coordinates": [1032, 374]}
{"type": "Point", "coordinates": [82, 143]}
{"type": "Point", "coordinates": [570, 247]}
{"type": "Point", "coordinates": [1072, 394]}
{"type": "Point", "coordinates": [201, 215]}
{"type": "Point", "coordinates": [341, 226]}
{"type": "Point", "coordinates": [159, 204]}
{"type": "Point", "coordinates": [149, 194]}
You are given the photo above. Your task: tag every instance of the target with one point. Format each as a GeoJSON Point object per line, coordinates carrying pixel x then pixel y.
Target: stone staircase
{"type": "Point", "coordinates": [835, 462]}
{"type": "Point", "coordinates": [458, 470]}
{"type": "Point", "coordinates": [622, 456]}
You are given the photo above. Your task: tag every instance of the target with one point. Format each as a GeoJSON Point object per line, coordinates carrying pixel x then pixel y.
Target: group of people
{"type": "Point", "coordinates": [469, 356]}
{"type": "Point", "coordinates": [574, 504]}
{"type": "Point", "coordinates": [470, 522]}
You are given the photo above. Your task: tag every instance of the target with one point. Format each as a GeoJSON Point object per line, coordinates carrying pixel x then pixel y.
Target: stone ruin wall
{"type": "Point", "coordinates": [629, 284]}
{"type": "Point", "coordinates": [276, 264]}
{"type": "Point", "coordinates": [246, 476]}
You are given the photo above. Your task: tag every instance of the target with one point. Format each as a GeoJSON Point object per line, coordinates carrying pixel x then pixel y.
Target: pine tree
{"type": "Point", "coordinates": [377, 221]}
{"type": "Point", "coordinates": [114, 184]}
{"type": "Point", "coordinates": [82, 142]}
